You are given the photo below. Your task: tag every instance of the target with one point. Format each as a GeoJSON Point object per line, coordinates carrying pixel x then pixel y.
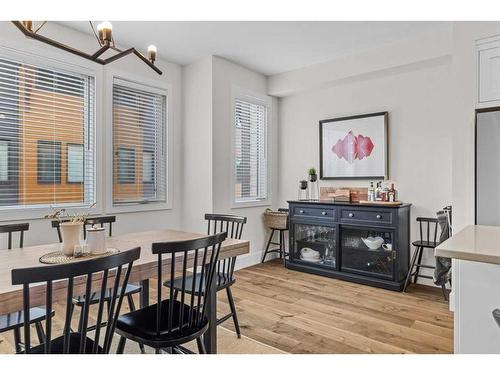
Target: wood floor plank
{"type": "Point", "coordinates": [296, 312]}
{"type": "Point", "coordinates": [324, 313]}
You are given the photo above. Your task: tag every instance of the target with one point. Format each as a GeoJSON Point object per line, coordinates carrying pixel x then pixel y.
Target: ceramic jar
{"type": "Point", "coordinates": [96, 240]}
{"type": "Point", "coordinates": [70, 233]}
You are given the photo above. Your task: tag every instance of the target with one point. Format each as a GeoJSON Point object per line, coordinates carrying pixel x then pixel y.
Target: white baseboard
{"type": "Point", "coordinates": [251, 259]}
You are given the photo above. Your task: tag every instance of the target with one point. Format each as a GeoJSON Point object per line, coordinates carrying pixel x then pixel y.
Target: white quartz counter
{"type": "Point", "coordinates": [478, 243]}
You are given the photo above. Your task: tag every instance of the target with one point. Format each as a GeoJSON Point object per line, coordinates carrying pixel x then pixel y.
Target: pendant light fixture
{"type": "Point", "coordinates": [104, 36]}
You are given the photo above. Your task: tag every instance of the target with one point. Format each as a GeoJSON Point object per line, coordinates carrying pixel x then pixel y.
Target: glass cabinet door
{"type": "Point", "coordinates": [366, 251]}
{"type": "Point", "coordinates": [315, 244]}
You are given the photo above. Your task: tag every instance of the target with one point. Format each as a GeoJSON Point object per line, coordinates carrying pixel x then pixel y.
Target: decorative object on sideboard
{"type": "Point", "coordinates": [104, 36]}
{"type": "Point", "coordinates": [342, 194]}
{"type": "Point", "coordinates": [373, 243]}
{"type": "Point", "coordinates": [303, 194]}
{"type": "Point", "coordinates": [314, 184]}
{"type": "Point", "coordinates": [354, 147]}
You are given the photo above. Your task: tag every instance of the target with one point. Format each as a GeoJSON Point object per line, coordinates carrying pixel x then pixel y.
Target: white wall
{"type": "Point", "coordinates": [40, 231]}
{"type": "Point", "coordinates": [226, 75]}
{"type": "Point", "coordinates": [197, 161]}
{"type": "Point", "coordinates": [417, 97]}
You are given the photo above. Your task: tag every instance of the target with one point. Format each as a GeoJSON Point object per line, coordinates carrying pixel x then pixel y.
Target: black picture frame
{"type": "Point", "coordinates": [385, 116]}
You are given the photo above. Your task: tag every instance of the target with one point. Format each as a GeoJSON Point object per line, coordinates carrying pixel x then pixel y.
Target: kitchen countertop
{"type": "Point", "coordinates": [478, 243]}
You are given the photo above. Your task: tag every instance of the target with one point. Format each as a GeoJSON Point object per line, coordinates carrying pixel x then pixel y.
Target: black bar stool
{"type": "Point", "coordinates": [428, 240]}
{"type": "Point", "coordinates": [14, 321]}
{"type": "Point", "coordinates": [276, 222]}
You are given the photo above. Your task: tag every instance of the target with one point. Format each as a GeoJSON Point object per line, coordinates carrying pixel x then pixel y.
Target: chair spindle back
{"type": "Point", "coordinates": [428, 229]}
{"type": "Point", "coordinates": [12, 228]}
{"type": "Point", "coordinates": [233, 226]}
{"type": "Point", "coordinates": [190, 309]}
{"type": "Point", "coordinates": [91, 273]}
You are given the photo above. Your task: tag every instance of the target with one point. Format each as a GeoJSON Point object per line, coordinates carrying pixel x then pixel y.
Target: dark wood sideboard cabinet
{"type": "Point", "coordinates": [326, 239]}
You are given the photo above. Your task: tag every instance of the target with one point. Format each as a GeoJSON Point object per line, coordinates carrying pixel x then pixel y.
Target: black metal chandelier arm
{"type": "Point", "coordinates": [44, 39]}
{"type": "Point", "coordinates": [100, 51]}
{"type": "Point", "coordinates": [94, 57]}
{"type": "Point", "coordinates": [95, 34]}
{"type": "Point", "coordinates": [39, 27]}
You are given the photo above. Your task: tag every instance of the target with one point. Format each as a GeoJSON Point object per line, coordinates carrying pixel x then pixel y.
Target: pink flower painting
{"type": "Point", "coordinates": [353, 147]}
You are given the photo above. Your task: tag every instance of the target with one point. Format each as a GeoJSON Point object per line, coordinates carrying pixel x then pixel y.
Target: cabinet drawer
{"type": "Point", "coordinates": [322, 212]}
{"type": "Point", "coordinates": [366, 216]}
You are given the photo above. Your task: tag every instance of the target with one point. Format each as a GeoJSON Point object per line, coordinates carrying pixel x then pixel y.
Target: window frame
{"type": "Point", "coordinates": [133, 176]}
{"type": "Point", "coordinates": [28, 53]}
{"type": "Point", "coordinates": [238, 93]}
{"type": "Point", "coordinates": [145, 84]}
{"type": "Point", "coordinates": [68, 145]}
{"type": "Point", "coordinates": [7, 144]}
{"type": "Point", "coordinates": [57, 162]}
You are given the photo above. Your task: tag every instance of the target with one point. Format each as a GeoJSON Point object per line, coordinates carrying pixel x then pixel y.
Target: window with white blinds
{"type": "Point", "coordinates": [250, 151]}
{"type": "Point", "coordinates": [44, 113]}
{"type": "Point", "coordinates": [139, 144]}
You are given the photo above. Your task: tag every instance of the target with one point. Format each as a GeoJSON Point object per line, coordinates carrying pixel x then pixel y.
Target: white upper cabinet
{"type": "Point", "coordinates": [489, 70]}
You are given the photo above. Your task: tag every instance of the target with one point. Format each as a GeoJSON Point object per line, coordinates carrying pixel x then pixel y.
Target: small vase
{"type": "Point", "coordinates": [313, 177]}
{"type": "Point", "coordinates": [70, 233]}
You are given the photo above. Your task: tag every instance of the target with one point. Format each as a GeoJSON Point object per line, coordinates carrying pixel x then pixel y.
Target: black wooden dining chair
{"type": "Point", "coordinates": [170, 323]}
{"type": "Point", "coordinates": [14, 321]}
{"type": "Point", "coordinates": [224, 273]}
{"type": "Point", "coordinates": [92, 272]}
{"type": "Point", "coordinates": [428, 229]}
{"type": "Point", "coordinates": [130, 289]}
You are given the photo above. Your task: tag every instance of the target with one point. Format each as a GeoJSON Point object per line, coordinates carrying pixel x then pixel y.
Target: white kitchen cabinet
{"type": "Point", "coordinates": [489, 71]}
{"type": "Point", "coordinates": [489, 75]}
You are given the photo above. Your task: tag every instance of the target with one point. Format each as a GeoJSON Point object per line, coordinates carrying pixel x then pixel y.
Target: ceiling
{"type": "Point", "coordinates": [266, 47]}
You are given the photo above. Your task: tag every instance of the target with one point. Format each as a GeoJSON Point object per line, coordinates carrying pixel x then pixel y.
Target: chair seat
{"type": "Point", "coordinates": [16, 319]}
{"type": "Point", "coordinates": [140, 325]}
{"type": "Point", "coordinates": [94, 298]}
{"type": "Point", "coordinates": [74, 345]}
{"type": "Point", "coordinates": [427, 244]}
{"type": "Point", "coordinates": [222, 281]}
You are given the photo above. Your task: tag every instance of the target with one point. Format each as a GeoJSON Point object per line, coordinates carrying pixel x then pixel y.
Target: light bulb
{"type": "Point", "coordinates": [152, 53]}
{"type": "Point", "coordinates": [105, 30]}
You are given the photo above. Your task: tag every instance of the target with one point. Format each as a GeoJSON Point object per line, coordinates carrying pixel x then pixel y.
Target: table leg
{"type": "Point", "coordinates": [144, 297]}
{"type": "Point", "coordinates": [210, 337]}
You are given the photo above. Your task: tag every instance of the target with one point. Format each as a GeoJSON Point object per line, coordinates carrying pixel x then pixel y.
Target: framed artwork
{"type": "Point", "coordinates": [354, 147]}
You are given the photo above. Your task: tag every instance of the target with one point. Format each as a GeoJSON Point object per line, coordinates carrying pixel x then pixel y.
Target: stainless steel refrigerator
{"type": "Point", "coordinates": [488, 166]}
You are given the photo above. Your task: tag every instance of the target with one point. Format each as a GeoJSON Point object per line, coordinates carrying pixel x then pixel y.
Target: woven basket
{"type": "Point", "coordinates": [276, 219]}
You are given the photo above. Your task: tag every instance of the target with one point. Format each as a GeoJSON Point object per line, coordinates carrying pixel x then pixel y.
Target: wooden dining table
{"type": "Point", "coordinates": [11, 296]}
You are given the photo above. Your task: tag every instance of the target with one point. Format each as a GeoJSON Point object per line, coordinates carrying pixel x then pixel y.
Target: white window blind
{"type": "Point", "coordinates": [139, 144]}
{"type": "Point", "coordinates": [250, 147]}
{"type": "Point", "coordinates": [42, 112]}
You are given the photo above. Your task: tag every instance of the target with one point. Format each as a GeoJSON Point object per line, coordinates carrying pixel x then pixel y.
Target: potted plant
{"type": "Point", "coordinates": [70, 226]}
{"type": "Point", "coordinates": [313, 176]}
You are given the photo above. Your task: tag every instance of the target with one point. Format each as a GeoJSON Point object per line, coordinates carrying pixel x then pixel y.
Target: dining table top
{"type": "Point", "coordinates": [144, 268]}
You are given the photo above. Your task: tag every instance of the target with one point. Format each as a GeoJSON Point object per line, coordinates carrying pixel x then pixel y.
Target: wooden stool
{"type": "Point", "coordinates": [276, 225]}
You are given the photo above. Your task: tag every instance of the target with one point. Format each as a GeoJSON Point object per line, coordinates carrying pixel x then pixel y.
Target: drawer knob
{"type": "Point", "coordinates": [351, 214]}
{"type": "Point", "coordinates": [301, 211]}
{"type": "Point", "coordinates": [324, 213]}
{"type": "Point", "coordinates": [379, 217]}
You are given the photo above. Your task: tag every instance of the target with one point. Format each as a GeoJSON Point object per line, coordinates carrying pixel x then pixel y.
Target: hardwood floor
{"type": "Point", "coordinates": [295, 312]}
{"type": "Point", "coordinates": [302, 313]}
